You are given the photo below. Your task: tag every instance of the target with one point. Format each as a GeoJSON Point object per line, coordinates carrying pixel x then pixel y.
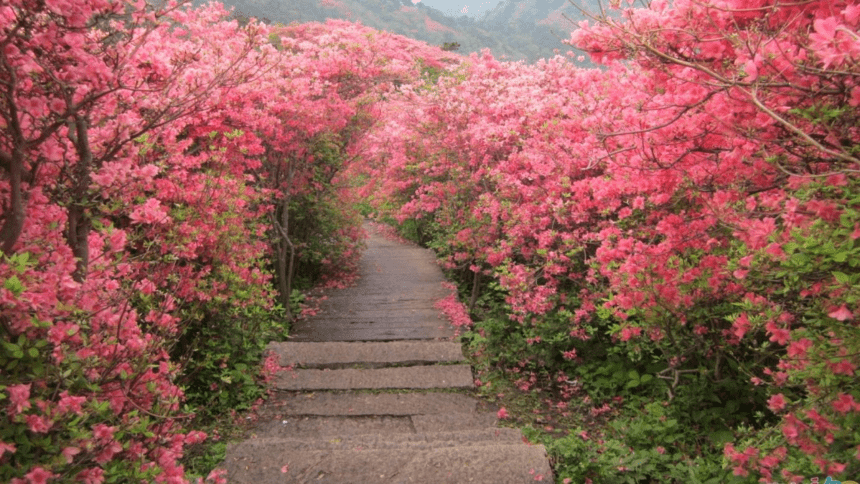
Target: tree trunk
{"type": "Point", "coordinates": [13, 222]}
{"type": "Point", "coordinates": [79, 224]}
{"type": "Point", "coordinates": [286, 248]}
{"type": "Point", "coordinates": [476, 285]}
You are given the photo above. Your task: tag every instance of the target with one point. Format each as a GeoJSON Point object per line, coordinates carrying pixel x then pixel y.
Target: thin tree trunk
{"type": "Point", "coordinates": [13, 222]}
{"type": "Point", "coordinates": [79, 224]}
{"type": "Point", "coordinates": [13, 162]}
{"type": "Point", "coordinates": [287, 250]}
{"type": "Point", "coordinates": [476, 285]}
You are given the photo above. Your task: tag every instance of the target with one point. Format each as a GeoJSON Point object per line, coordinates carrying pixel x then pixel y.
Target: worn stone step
{"type": "Point", "coordinates": [316, 427]}
{"type": "Point", "coordinates": [413, 377]}
{"type": "Point", "coordinates": [453, 421]}
{"type": "Point", "coordinates": [403, 440]}
{"type": "Point", "coordinates": [363, 404]}
{"type": "Point", "coordinates": [375, 332]}
{"type": "Point", "coordinates": [397, 300]}
{"type": "Point", "coordinates": [494, 462]}
{"type": "Point", "coordinates": [402, 315]}
{"type": "Point", "coordinates": [346, 354]}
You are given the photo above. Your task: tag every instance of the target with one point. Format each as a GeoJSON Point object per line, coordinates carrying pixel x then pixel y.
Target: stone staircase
{"type": "Point", "coordinates": [380, 412]}
{"type": "Point", "coordinates": [380, 393]}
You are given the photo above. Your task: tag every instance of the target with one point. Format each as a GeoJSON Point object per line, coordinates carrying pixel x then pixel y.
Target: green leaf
{"type": "Point", "coordinates": [800, 259]}
{"type": "Point", "coordinates": [841, 277]}
{"type": "Point", "coordinates": [840, 256]}
{"type": "Point", "coordinates": [720, 437]}
{"type": "Point", "coordinates": [13, 284]}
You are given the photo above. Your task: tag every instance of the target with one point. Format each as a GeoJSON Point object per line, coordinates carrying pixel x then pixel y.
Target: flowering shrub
{"type": "Point", "coordinates": [677, 229]}
{"type": "Point", "coordinates": [101, 254]}
{"type": "Point", "coordinates": [141, 155]}
{"type": "Point", "coordinates": [690, 209]}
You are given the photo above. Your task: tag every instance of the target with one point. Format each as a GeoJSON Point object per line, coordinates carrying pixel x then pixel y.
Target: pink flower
{"type": "Point", "coordinates": [150, 212]}
{"type": "Point", "coordinates": [777, 402]}
{"type": "Point", "coordinates": [38, 424]}
{"type": "Point", "coordinates": [799, 348]}
{"type": "Point", "coordinates": [4, 447]}
{"type": "Point", "coordinates": [825, 43]}
{"type": "Point", "coordinates": [103, 432]}
{"type": "Point", "coordinates": [217, 476]}
{"type": "Point", "coordinates": [629, 332]}
{"type": "Point", "coordinates": [741, 325]}
{"type": "Point", "coordinates": [502, 413]}
{"type": "Point", "coordinates": [777, 335]}
{"type": "Point", "coordinates": [69, 453]}
{"type": "Point", "coordinates": [820, 421]}
{"type": "Point", "coordinates": [841, 314]}
{"type": "Point", "coordinates": [842, 367]}
{"type": "Point", "coordinates": [195, 437]}
{"type": "Point", "coordinates": [69, 403]}
{"type": "Point", "coordinates": [19, 396]}
{"type": "Point", "coordinates": [845, 403]}
{"type": "Point", "coordinates": [107, 453]}
{"type": "Point", "coordinates": [792, 427]}
{"type": "Point", "coordinates": [39, 476]}
{"type": "Point", "coordinates": [94, 475]}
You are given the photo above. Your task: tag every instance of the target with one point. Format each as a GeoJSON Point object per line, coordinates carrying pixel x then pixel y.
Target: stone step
{"type": "Point", "coordinates": [371, 332]}
{"type": "Point", "coordinates": [370, 355]}
{"type": "Point", "coordinates": [413, 377]}
{"type": "Point", "coordinates": [315, 426]}
{"type": "Point", "coordinates": [401, 315]}
{"type": "Point", "coordinates": [265, 462]}
{"type": "Point", "coordinates": [406, 300]}
{"type": "Point", "coordinates": [453, 421]}
{"type": "Point", "coordinates": [283, 404]}
{"type": "Point", "coordinates": [424, 440]}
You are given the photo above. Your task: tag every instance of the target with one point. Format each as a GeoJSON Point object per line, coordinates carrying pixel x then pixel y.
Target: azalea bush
{"type": "Point", "coordinates": [666, 244]}
{"type": "Point", "coordinates": [101, 252]}
{"type": "Point", "coordinates": [689, 209]}
{"type": "Point", "coordinates": [141, 154]}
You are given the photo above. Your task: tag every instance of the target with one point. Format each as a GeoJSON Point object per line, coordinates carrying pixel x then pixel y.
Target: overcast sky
{"type": "Point", "coordinates": [456, 8]}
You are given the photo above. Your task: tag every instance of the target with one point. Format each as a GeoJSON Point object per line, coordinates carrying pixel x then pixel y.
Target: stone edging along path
{"type": "Point", "coordinates": [381, 392]}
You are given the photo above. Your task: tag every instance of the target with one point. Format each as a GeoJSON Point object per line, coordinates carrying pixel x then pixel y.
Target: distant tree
{"type": "Point", "coordinates": [239, 16]}
{"type": "Point", "coordinates": [450, 46]}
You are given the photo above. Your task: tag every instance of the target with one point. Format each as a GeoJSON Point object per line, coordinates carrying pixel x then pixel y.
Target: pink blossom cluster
{"type": "Point", "coordinates": [456, 312]}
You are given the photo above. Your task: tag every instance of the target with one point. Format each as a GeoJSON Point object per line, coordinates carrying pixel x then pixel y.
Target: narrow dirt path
{"type": "Point", "coordinates": [381, 392]}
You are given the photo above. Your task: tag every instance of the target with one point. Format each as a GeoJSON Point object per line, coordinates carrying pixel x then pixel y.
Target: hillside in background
{"type": "Point", "coordinates": [514, 29]}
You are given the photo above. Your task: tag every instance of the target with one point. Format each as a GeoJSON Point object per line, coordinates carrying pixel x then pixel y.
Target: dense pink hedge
{"type": "Point", "coordinates": [699, 192]}
{"type": "Point", "coordinates": [141, 155]}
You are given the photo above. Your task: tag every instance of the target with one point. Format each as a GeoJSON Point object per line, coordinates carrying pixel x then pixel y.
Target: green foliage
{"type": "Point", "coordinates": [322, 226]}
{"type": "Point", "coordinates": [320, 229]}
{"type": "Point", "coordinates": [614, 459]}
{"type": "Point", "coordinates": [222, 354]}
